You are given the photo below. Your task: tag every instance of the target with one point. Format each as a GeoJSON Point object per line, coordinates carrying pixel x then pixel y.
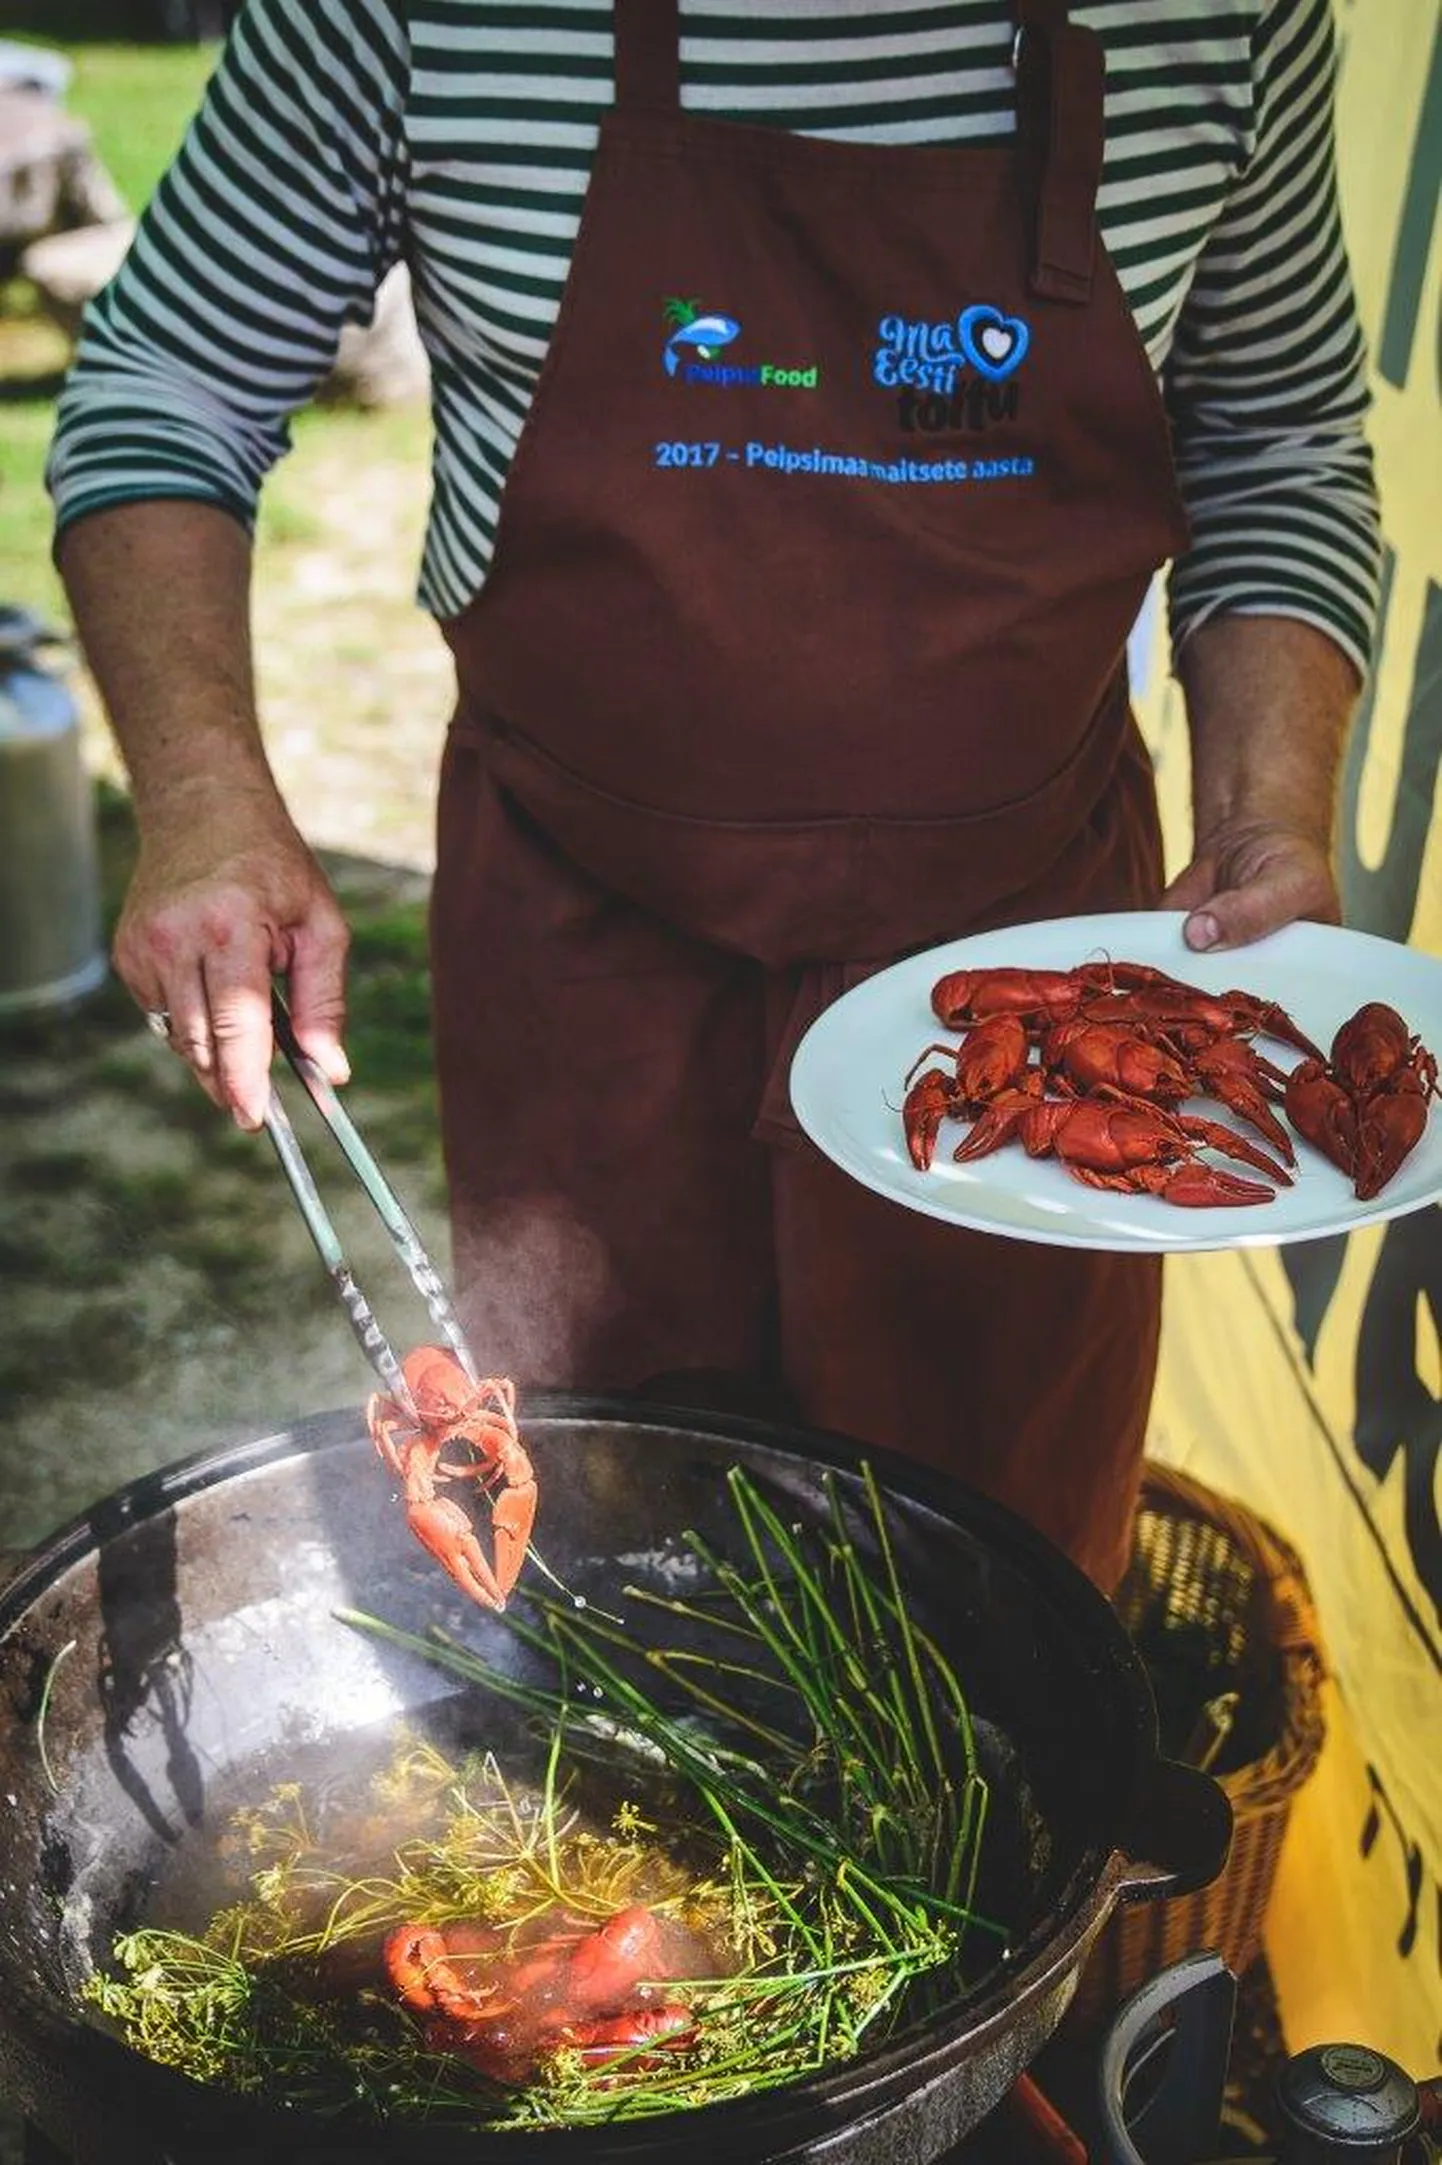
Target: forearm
{"type": "Point", "coordinates": [1269, 701]}
{"type": "Point", "coordinates": [161, 596]}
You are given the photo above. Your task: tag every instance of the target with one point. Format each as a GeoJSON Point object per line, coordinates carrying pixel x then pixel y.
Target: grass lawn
{"type": "Point", "coordinates": [137, 101]}
{"type": "Point", "coordinates": [30, 352]}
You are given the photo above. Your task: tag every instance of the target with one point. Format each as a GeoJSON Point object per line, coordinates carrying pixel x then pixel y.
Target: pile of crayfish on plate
{"type": "Point", "coordinates": [1091, 1066]}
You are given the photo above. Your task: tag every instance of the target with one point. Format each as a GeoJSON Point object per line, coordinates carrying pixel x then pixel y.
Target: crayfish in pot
{"type": "Point", "coordinates": [1366, 1106]}
{"type": "Point", "coordinates": [478, 1422]}
{"type": "Point", "coordinates": [503, 2001]}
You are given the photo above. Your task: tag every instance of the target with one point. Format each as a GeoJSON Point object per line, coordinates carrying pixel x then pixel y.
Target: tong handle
{"type": "Point", "coordinates": [372, 1339]}
{"type": "Point", "coordinates": [404, 1237]}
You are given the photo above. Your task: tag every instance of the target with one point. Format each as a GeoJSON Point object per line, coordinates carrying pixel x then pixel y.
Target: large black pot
{"type": "Point", "coordinates": [198, 1606]}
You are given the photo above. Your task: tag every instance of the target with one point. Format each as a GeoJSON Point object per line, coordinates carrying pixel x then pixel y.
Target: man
{"type": "Point", "coordinates": [792, 507]}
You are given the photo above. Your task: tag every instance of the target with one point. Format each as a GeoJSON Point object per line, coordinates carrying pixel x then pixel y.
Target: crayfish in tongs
{"type": "Point", "coordinates": [1366, 1106]}
{"type": "Point", "coordinates": [436, 1421]}
{"type": "Point", "coordinates": [459, 1429]}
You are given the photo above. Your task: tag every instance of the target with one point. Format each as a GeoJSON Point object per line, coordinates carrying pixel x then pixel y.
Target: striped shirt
{"type": "Point", "coordinates": [338, 137]}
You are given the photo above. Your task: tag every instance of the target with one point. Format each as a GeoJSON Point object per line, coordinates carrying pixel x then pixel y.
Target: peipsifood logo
{"type": "Point", "coordinates": [952, 375]}
{"type": "Point", "coordinates": [698, 336]}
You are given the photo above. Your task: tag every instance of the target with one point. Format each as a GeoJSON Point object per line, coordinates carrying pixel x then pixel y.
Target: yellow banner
{"type": "Point", "coordinates": [1326, 1413]}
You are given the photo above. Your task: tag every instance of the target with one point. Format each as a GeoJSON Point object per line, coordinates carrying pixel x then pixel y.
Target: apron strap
{"type": "Point", "coordinates": [648, 54]}
{"type": "Point", "coordinates": [1061, 135]}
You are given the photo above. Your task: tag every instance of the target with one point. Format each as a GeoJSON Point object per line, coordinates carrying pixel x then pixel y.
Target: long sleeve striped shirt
{"type": "Point", "coordinates": [338, 137]}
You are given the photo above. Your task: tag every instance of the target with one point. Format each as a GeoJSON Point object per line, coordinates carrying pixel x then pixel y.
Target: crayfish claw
{"type": "Point", "coordinates": [1389, 1130]}
{"type": "Point", "coordinates": [997, 1123]}
{"type": "Point", "coordinates": [1215, 1136]}
{"type": "Point", "coordinates": [927, 1103]}
{"type": "Point", "coordinates": [442, 1528]}
{"type": "Point", "coordinates": [1269, 1020]}
{"type": "Point", "coordinates": [1199, 1187]}
{"type": "Point", "coordinates": [512, 1517]}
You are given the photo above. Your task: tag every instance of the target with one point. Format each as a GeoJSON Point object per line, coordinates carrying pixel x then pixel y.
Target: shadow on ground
{"type": "Point", "coordinates": [158, 1291]}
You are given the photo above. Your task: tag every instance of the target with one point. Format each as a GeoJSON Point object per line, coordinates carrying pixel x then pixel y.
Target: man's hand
{"type": "Point", "coordinates": [1247, 881]}
{"type": "Point", "coordinates": [1268, 703]}
{"type": "Point", "coordinates": [226, 894]}
{"type": "Point", "coordinates": [225, 897]}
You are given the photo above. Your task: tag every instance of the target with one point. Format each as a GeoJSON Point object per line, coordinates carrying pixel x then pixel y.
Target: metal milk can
{"type": "Point", "coordinates": [50, 944]}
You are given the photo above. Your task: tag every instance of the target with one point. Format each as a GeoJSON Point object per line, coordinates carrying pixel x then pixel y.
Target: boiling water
{"type": "Point", "coordinates": [257, 1959]}
{"type": "Point", "coordinates": [358, 1807]}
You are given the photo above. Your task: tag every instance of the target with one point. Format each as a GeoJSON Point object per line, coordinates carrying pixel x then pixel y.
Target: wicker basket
{"type": "Point", "coordinates": [1211, 1579]}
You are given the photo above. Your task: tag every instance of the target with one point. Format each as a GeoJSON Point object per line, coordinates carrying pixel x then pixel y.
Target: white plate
{"type": "Point", "coordinates": [848, 1074]}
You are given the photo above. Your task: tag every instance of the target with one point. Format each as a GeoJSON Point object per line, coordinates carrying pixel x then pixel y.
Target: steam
{"type": "Point", "coordinates": [532, 1285]}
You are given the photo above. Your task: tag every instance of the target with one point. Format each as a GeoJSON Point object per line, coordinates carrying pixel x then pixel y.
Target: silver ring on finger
{"type": "Point", "coordinates": [158, 1020]}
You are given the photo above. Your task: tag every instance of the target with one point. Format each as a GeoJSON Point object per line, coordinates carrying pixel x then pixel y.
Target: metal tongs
{"type": "Point", "coordinates": [404, 1237]}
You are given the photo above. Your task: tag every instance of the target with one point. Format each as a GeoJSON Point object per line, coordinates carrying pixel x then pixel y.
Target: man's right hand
{"type": "Point", "coordinates": [225, 897]}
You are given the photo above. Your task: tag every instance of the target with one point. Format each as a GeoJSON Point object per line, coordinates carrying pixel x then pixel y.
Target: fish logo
{"type": "Point", "coordinates": [704, 335]}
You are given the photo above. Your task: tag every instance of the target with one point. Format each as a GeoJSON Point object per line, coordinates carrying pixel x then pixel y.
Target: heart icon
{"type": "Point", "coordinates": [994, 344]}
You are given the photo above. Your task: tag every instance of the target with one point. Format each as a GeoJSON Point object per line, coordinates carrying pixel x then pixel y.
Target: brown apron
{"type": "Point", "coordinates": [803, 646]}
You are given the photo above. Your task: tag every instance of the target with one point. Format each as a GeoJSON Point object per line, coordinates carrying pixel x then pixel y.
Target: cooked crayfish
{"type": "Point", "coordinates": [453, 1414]}
{"type": "Point", "coordinates": [1366, 1107]}
{"type": "Point", "coordinates": [1110, 1140]}
{"type": "Point", "coordinates": [1122, 1033]}
{"type": "Point", "coordinates": [504, 2001]}
{"type": "Point", "coordinates": [1121, 992]}
{"type": "Point", "coordinates": [1116, 1042]}
{"type": "Point", "coordinates": [1086, 1056]}
{"type": "Point", "coordinates": [1248, 1084]}
{"type": "Point", "coordinates": [990, 1058]}
{"type": "Point", "coordinates": [1147, 1062]}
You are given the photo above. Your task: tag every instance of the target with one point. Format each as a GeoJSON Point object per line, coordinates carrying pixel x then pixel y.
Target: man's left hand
{"type": "Point", "coordinates": [1269, 699]}
{"type": "Point", "coordinates": [1248, 880]}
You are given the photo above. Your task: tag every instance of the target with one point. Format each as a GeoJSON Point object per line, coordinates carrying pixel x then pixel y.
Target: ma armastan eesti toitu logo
{"type": "Point", "coordinates": [952, 375]}
{"type": "Point", "coordinates": [930, 356]}
{"type": "Point", "coordinates": [696, 339]}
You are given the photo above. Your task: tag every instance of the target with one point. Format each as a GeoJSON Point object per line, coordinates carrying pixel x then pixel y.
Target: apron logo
{"type": "Point", "coordinates": [694, 333]}
{"type": "Point", "coordinates": [919, 356]}
{"type": "Point", "coordinates": [696, 338]}
{"type": "Point", "coordinates": [993, 343]}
